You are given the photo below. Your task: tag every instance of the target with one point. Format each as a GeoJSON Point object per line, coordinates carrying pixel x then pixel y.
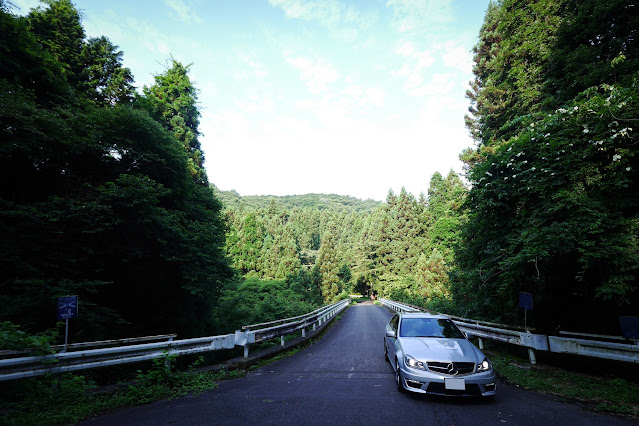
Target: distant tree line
{"type": "Point", "coordinates": [287, 202]}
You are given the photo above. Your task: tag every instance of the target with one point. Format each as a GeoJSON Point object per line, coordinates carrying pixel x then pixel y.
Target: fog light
{"type": "Point", "coordinates": [414, 383]}
{"type": "Point", "coordinates": [489, 387]}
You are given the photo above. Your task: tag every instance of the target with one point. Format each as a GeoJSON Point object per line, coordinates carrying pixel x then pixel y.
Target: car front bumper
{"type": "Point", "coordinates": [475, 384]}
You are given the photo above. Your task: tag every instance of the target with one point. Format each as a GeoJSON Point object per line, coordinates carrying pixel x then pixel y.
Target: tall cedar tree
{"type": "Point", "coordinates": [172, 100]}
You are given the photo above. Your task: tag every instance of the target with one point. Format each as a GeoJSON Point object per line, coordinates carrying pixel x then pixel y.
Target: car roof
{"type": "Point", "coordinates": [421, 315]}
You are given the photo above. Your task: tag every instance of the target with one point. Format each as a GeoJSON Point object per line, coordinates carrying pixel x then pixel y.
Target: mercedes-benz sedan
{"type": "Point", "coordinates": [431, 355]}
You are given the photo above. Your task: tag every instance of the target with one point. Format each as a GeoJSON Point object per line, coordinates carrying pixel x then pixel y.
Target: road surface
{"type": "Point", "coordinates": [344, 379]}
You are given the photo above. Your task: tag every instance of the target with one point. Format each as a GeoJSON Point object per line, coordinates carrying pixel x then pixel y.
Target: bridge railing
{"type": "Point", "coordinates": [29, 366]}
{"type": "Point", "coordinates": [592, 345]}
{"type": "Point", "coordinates": [259, 332]}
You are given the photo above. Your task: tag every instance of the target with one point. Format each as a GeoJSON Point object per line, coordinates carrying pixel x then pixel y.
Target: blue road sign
{"type": "Point", "coordinates": [526, 301]}
{"type": "Point", "coordinates": [67, 307]}
{"type": "Point", "coordinates": [629, 327]}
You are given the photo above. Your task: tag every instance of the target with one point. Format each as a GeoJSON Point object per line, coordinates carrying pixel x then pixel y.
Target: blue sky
{"type": "Point", "coordinates": [310, 96]}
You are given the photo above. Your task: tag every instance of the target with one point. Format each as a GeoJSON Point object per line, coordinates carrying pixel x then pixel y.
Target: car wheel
{"type": "Point", "coordinates": [386, 352]}
{"type": "Point", "coordinates": [398, 378]}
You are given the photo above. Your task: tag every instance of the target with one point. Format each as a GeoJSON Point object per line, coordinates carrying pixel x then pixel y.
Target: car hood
{"type": "Point", "coordinates": [437, 349]}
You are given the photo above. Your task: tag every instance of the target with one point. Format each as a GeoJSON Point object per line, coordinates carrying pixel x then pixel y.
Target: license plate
{"type": "Point", "coordinates": [455, 384]}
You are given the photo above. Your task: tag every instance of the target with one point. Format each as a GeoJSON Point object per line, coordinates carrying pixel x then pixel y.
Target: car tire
{"type": "Point", "coordinates": [386, 352]}
{"type": "Point", "coordinates": [398, 378]}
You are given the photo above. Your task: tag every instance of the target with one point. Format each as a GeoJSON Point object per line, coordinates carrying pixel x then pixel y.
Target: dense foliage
{"type": "Point", "coordinates": [399, 249]}
{"type": "Point", "coordinates": [554, 204]}
{"type": "Point", "coordinates": [98, 198]}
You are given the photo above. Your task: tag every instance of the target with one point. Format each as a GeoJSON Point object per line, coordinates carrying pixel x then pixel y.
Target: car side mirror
{"type": "Point", "coordinates": [391, 334]}
{"type": "Point", "coordinates": [467, 335]}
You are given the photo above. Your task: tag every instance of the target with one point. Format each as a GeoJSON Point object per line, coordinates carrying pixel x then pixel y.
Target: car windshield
{"type": "Point", "coordinates": [429, 327]}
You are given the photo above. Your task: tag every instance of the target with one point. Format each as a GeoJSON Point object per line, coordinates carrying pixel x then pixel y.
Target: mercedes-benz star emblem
{"type": "Point", "coordinates": [452, 370]}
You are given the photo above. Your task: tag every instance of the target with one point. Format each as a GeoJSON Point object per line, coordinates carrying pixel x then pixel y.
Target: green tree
{"type": "Point", "coordinates": [108, 83]}
{"type": "Point", "coordinates": [24, 62]}
{"type": "Point", "coordinates": [328, 265]}
{"type": "Point", "coordinates": [432, 276]}
{"type": "Point", "coordinates": [58, 27]}
{"type": "Point", "coordinates": [444, 214]}
{"type": "Point", "coordinates": [591, 35]}
{"type": "Point", "coordinates": [172, 100]}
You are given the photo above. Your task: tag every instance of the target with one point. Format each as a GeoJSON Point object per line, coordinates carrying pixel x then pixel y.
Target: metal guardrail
{"type": "Point", "coordinates": [253, 333]}
{"type": "Point", "coordinates": [592, 348]}
{"type": "Point", "coordinates": [29, 366]}
{"type": "Point", "coordinates": [398, 307]}
{"type": "Point", "coordinates": [87, 345]}
{"type": "Point", "coordinates": [542, 342]}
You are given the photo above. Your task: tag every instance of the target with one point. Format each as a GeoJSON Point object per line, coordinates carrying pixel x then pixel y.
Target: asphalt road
{"type": "Point", "coordinates": [344, 379]}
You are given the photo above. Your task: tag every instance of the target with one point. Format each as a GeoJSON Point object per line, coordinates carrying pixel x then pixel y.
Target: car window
{"type": "Point", "coordinates": [429, 327]}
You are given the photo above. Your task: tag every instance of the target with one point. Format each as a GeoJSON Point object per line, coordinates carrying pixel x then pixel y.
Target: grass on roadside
{"type": "Point", "coordinates": [64, 399]}
{"type": "Point", "coordinates": [612, 395]}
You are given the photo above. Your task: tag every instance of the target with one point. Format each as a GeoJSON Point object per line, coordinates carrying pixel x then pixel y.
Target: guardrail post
{"type": "Point", "coordinates": [282, 341]}
{"type": "Point", "coordinates": [303, 332]}
{"type": "Point", "coordinates": [481, 343]}
{"type": "Point", "coordinates": [531, 356]}
{"type": "Point", "coordinates": [246, 345]}
{"type": "Point", "coordinates": [314, 326]}
{"type": "Point", "coordinates": [167, 362]}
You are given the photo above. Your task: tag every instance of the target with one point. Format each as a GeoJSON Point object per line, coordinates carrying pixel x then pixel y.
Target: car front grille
{"type": "Point", "coordinates": [452, 368]}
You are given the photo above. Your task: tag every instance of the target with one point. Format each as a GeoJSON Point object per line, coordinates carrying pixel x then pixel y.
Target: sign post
{"type": "Point", "coordinates": [629, 327]}
{"type": "Point", "coordinates": [526, 302]}
{"type": "Point", "coordinates": [67, 308]}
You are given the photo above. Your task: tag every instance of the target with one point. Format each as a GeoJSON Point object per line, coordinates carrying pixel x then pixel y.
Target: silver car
{"type": "Point", "coordinates": [431, 355]}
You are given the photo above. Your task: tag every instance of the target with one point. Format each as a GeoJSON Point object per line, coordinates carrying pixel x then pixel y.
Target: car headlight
{"type": "Point", "coordinates": [484, 365]}
{"type": "Point", "coordinates": [411, 362]}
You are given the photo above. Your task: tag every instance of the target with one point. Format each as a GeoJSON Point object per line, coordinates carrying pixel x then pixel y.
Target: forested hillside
{"type": "Point", "coordinates": [316, 201]}
{"type": "Point", "coordinates": [400, 249]}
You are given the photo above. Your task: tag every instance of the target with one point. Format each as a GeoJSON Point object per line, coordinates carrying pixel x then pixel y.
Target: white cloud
{"type": "Point", "coordinates": [414, 67]}
{"type": "Point", "coordinates": [255, 102]}
{"type": "Point", "coordinates": [249, 68]}
{"type": "Point", "coordinates": [375, 96]}
{"type": "Point", "coordinates": [420, 16]}
{"type": "Point", "coordinates": [406, 49]}
{"type": "Point", "coordinates": [316, 74]}
{"type": "Point", "coordinates": [458, 57]}
{"type": "Point", "coordinates": [183, 11]}
{"type": "Point", "coordinates": [343, 21]}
